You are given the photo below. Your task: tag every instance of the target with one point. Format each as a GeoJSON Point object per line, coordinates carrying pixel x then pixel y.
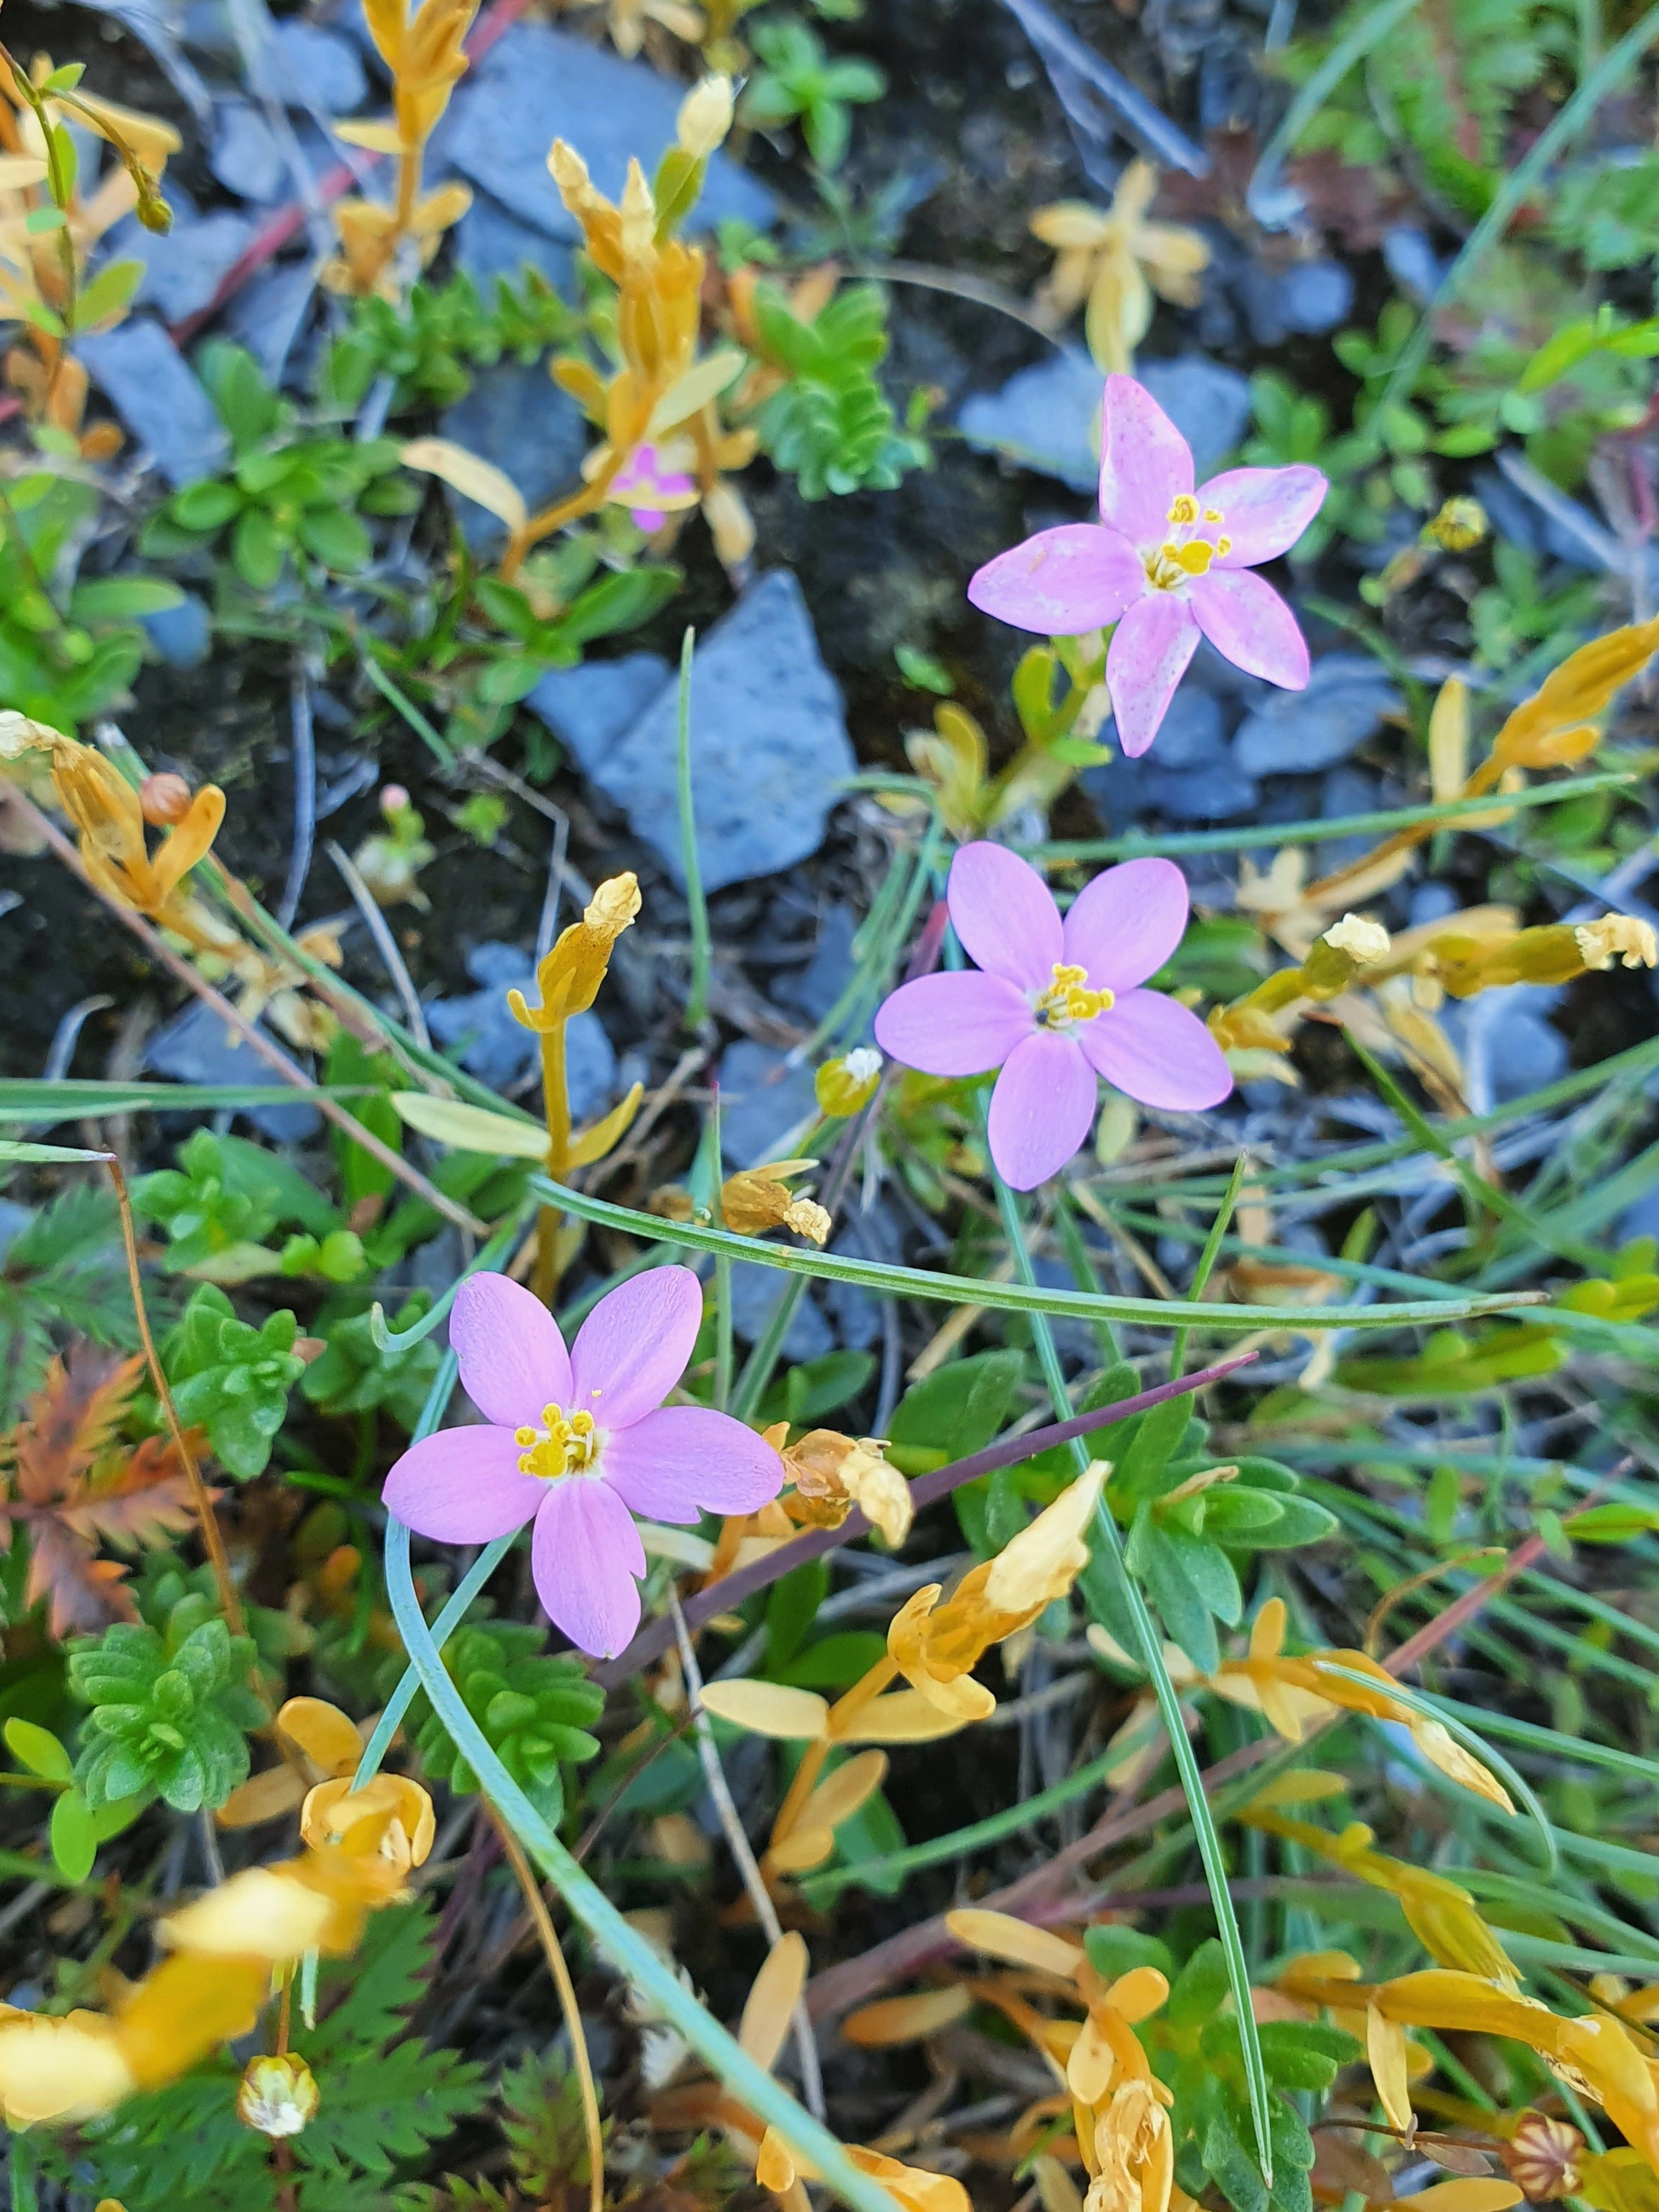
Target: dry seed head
{"type": "Point", "coordinates": [1617, 936]}
{"type": "Point", "coordinates": [1367, 942]}
{"type": "Point", "coordinates": [278, 2096]}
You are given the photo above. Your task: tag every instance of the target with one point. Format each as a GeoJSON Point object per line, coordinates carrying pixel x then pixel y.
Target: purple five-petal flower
{"type": "Point", "coordinates": [1165, 562]}
{"type": "Point", "coordinates": [1053, 1003]}
{"type": "Point", "coordinates": [580, 1441]}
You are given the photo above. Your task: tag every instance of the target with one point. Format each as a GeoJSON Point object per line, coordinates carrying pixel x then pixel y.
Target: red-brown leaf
{"type": "Point", "coordinates": [71, 1420]}
{"type": "Point", "coordinates": [84, 1593]}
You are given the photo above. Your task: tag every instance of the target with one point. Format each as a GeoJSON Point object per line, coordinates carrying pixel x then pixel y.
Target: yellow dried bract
{"type": "Point", "coordinates": [1114, 260]}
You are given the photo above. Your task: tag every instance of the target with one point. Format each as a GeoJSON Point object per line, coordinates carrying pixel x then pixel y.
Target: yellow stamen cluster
{"type": "Point", "coordinates": [1179, 559]}
{"type": "Point", "coordinates": [1068, 997]}
{"type": "Point", "coordinates": [564, 1444]}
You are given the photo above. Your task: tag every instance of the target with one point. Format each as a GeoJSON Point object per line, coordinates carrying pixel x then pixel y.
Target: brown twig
{"type": "Point", "coordinates": [264, 1047]}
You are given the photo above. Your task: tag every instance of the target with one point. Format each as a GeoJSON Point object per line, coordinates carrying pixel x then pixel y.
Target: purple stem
{"type": "Point", "coordinates": [731, 1589]}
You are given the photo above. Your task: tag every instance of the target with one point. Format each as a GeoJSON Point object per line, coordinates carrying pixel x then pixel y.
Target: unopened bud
{"type": "Point", "coordinates": [639, 215]}
{"type": "Point", "coordinates": [394, 800]}
{"type": "Point", "coordinates": [278, 2095]}
{"type": "Point", "coordinates": [705, 117]}
{"type": "Point", "coordinates": [163, 800]}
{"type": "Point", "coordinates": [842, 1086]}
{"type": "Point", "coordinates": [1617, 936]}
{"type": "Point", "coordinates": [1543, 2158]}
{"type": "Point", "coordinates": [1459, 523]}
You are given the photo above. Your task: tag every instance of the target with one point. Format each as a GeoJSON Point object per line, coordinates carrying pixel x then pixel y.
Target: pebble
{"type": "Point", "coordinates": [269, 315]}
{"type": "Point", "coordinates": [245, 155]}
{"type": "Point", "coordinates": [1520, 1048]}
{"type": "Point", "coordinates": [769, 749]}
{"type": "Point", "coordinates": [1432, 901]}
{"type": "Point", "coordinates": [196, 1047]}
{"type": "Point", "coordinates": [149, 384]}
{"type": "Point", "coordinates": [1295, 732]}
{"type": "Point", "coordinates": [1210, 406]}
{"type": "Point", "coordinates": [756, 1290]}
{"type": "Point", "coordinates": [491, 241]}
{"type": "Point", "coordinates": [587, 707]}
{"type": "Point", "coordinates": [537, 84]}
{"type": "Point", "coordinates": [1189, 774]}
{"type": "Point", "coordinates": [1346, 790]}
{"type": "Point", "coordinates": [183, 266]}
{"type": "Point", "coordinates": [1315, 296]}
{"type": "Point", "coordinates": [762, 1100]}
{"type": "Point", "coordinates": [182, 636]}
{"type": "Point", "coordinates": [501, 1052]}
{"type": "Point", "coordinates": [1412, 261]}
{"type": "Point", "coordinates": [516, 417]}
{"type": "Point", "coordinates": [305, 66]}
{"type": "Point", "coordinates": [813, 990]}
{"type": "Point", "coordinates": [1045, 418]}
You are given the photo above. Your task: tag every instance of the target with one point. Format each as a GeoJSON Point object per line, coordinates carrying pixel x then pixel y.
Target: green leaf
{"type": "Point", "coordinates": [336, 538]}
{"type": "Point", "coordinates": [204, 506]}
{"type": "Point", "coordinates": [1199, 1990]}
{"type": "Point", "coordinates": [1116, 1950]}
{"type": "Point", "coordinates": [122, 598]}
{"type": "Point", "coordinates": [38, 1750]}
{"type": "Point", "coordinates": [109, 294]}
{"type": "Point", "coordinates": [257, 550]}
{"type": "Point", "coordinates": [74, 1838]}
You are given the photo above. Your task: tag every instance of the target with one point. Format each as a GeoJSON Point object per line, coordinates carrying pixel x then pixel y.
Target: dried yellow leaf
{"type": "Point", "coordinates": [769, 1709]}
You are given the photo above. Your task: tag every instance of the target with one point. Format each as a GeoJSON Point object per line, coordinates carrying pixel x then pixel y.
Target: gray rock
{"type": "Point", "coordinates": [1191, 734]}
{"type": "Point", "coordinates": [1346, 790]}
{"type": "Point", "coordinates": [537, 84]}
{"type": "Point", "coordinates": [181, 635]}
{"type": "Point", "coordinates": [1315, 296]}
{"type": "Point", "coordinates": [1295, 732]}
{"type": "Point", "coordinates": [303, 65]}
{"type": "Point", "coordinates": [1046, 418]}
{"type": "Point", "coordinates": [149, 383]}
{"type": "Point", "coordinates": [763, 1099]}
{"type": "Point", "coordinates": [854, 1312]}
{"type": "Point", "coordinates": [1412, 262]}
{"type": "Point", "coordinates": [494, 1047]}
{"type": "Point", "coordinates": [196, 1047]}
{"type": "Point", "coordinates": [1189, 775]}
{"type": "Point", "coordinates": [756, 1292]}
{"type": "Point", "coordinates": [14, 1220]}
{"type": "Point", "coordinates": [245, 156]}
{"type": "Point", "coordinates": [491, 241]}
{"type": "Point", "coordinates": [183, 266]}
{"type": "Point", "coordinates": [1508, 1031]}
{"type": "Point", "coordinates": [814, 989]}
{"type": "Point", "coordinates": [269, 315]}
{"type": "Point", "coordinates": [1210, 406]}
{"type": "Point", "coordinates": [1432, 901]}
{"type": "Point", "coordinates": [587, 707]}
{"type": "Point", "coordinates": [769, 749]}
{"type": "Point", "coordinates": [516, 417]}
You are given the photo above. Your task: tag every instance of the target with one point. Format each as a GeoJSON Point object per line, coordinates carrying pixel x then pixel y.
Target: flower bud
{"type": "Point", "coordinates": [278, 2095]}
{"type": "Point", "coordinates": [1543, 2158]}
{"type": "Point", "coordinates": [842, 1086]}
{"type": "Point", "coordinates": [1335, 957]}
{"type": "Point", "coordinates": [705, 117]}
{"type": "Point", "coordinates": [163, 800]}
{"type": "Point", "coordinates": [1459, 523]}
{"type": "Point", "coordinates": [394, 800]}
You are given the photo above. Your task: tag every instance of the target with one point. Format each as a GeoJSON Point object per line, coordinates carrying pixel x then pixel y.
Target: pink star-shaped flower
{"type": "Point", "coordinates": [1165, 562]}
{"type": "Point", "coordinates": [1054, 1004]}
{"type": "Point", "coordinates": [578, 1442]}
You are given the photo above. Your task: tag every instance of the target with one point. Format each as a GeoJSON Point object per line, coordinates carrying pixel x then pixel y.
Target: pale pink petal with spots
{"type": "Point", "coordinates": [960, 1025]}
{"type": "Point", "coordinates": [1264, 511]}
{"type": "Point", "coordinates": [1145, 463]}
{"type": "Point", "coordinates": [634, 1346]}
{"type": "Point", "coordinates": [1124, 925]}
{"type": "Point", "coordinates": [1158, 1051]}
{"type": "Point", "coordinates": [685, 1459]}
{"type": "Point", "coordinates": [1061, 582]}
{"type": "Point", "coordinates": [585, 1556]}
{"type": "Point", "coordinates": [1147, 658]}
{"type": "Point", "coordinates": [513, 1358]}
{"type": "Point", "coordinates": [1040, 1109]}
{"type": "Point", "coordinates": [1245, 619]}
{"type": "Point", "coordinates": [1004, 914]}
{"type": "Point", "coordinates": [462, 1487]}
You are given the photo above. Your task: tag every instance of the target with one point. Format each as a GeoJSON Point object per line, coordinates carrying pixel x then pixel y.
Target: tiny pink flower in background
{"type": "Point", "coordinates": [580, 1441]}
{"type": "Point", "coordinates": [1165, 562]}
{"type": "Point", "coordinates": [648, 488]}
{"type": "Point", "coordinates": [1053, 1003]}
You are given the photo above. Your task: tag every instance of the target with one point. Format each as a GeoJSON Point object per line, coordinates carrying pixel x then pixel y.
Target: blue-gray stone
{"type": "Point", "coordinates": [1523, 1051]}
{"type": "Point", "coordinates": [516, 417]}
{"type": "Point", "coordinates": [1188, 776]}
{"type": "Point", "coordinates": [815, 988]}
{"type": "Point", "coordinates": [587, 707]}
{"type": "Point", "coordinates": [756, 1292]}
{"type": "Point", "coordinates": [762, 1100]}
{"type": "Point", "coordinates": [854, 1312]}
{"type": "Point", "coordinates": [1412, 261]}
{"type": "Point", "coordinates": [245, 156]}
{"type": "Point", "coordinates": [303, 65]}
{"type": "Point", "coordinates": [1346, 790]}
{"type": "Point", "coordinates": [269, 315]}
{"type": "Point", "coordinates": [1640, 1219]}
{"type": "Point", "coordinates": [537, 84]}
{"type": "Point", "coordinates": [185, 265]}
{"type": "Point", "coordinates": [769, 749]}
{"type": "Point", "coordinates": [1046, 418]}
{"type": "Point", "coordinates": [181, 635]}
{"type": "Point", "coordinates": [14, 1220]}
{"type": "Point", "coordinates": [1296, 732]}
{"type": "Point", "coordinates": [1210, 406]}
{"type": "Point", "coordinates": [491, 241]}
{"type": "Point", "coordinates": [149, 384]}
{"type": "Point", "coordinates": [500, 1052]}
{"type": "Point", "coordinates": [196, 1047]}
{"type": "Point", "coordinates": [1432, 901]}
{"type": "Point", "coordinates": [1315, 296]}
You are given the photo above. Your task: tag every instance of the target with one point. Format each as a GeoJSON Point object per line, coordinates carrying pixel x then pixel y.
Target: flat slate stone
{"type": "Point", "coordinates": [151, 387]}
{"type": "Point", "coordinates": [183, 266]}
{"type": "Point", "coordinates": [196, 1047]}
{"type": "Point", "coordinates": [1189, 774]}
{"type": "Point", "coordinates": [491, 241]}
{"type": "Point", "coordinates": [1297, 733]}
{"type": "Point", "coordinates": [245, 156]}
{"type": "Point", "coordinates": [305, 66]}
{"type": "Point", "coordinates": [498, 1051]}
{"type": "Point", "coordinates": [755, 1292]}
{"type": "Point", "coordinates": [1046, 418]}
{"type": "Point", "coordinates": [516, 417]}
{"type": "Point", "coordinates": [589, 707]}
{"type": "Point", "coordinates": [769, 749]}
{"type": "Point", "coordinates": [1210, 406]}
{"type": "Point", "coordinates": [182, 635]}
{"type": "Point", "coordinates": [268, 316]}
{"type": "Point", "coordinates": [537, 84]}
{"type": "Point", "coordinates": [763, 1099]}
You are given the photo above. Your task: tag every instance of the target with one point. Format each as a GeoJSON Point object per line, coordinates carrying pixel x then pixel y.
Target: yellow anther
{"type": "Point", "coordinates": [1213, 514]}
{"type": "Point", "coordinates": [1195, 556]}
{"type": "Point", "coordinates": [524, 1437]}
{"type": "Point", "coordinates": [1223, 547]}
{"type": "Point", "coordinates": [562, 1445]}
{"type": "Point", "coordinates": [1185, 509]}
{"type": "Point", "coordinates": [1068, 997]}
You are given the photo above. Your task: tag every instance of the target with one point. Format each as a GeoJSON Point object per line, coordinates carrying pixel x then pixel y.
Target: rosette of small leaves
{"type": "Point", "coordinates": [534, 1708]}
{"type": "Point", "coordinates": [166, 1718]}
{"type": "Point", "coordinates": [354, 1376]}
{"type": "Point", "coordinates": [831, 426]}
{"type": "Point", "coordinates": [432, 345]}
{"type": "Point", "coordinates": [800, 81]}
{"type": "Point", "coordinates": [232, 1379]}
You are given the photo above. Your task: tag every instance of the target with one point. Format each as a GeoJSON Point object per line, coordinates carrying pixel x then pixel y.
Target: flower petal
{"type": "Point", "coordinates": [1061, 582]}
{"type": "Point", "coordinates": [462, 1487]}
{"type": "Point", "coordinates": [1264, 511]}
{"type": "Point", "coordinates": [1246, 620]}
{"type": "Point", "coordinates": [634, 1347]}
{"type": "Point", "coordinates": [1159, 1052]}
{"type": "Point", "coordinates": [961, 1025]}
{"type": "Point", "coordinates": [1004, 916]}
{"type": "Point", "coordinates": [587, 1561]}
{"type": "Point", "coordinates": [1147, 658]}
{"type": "Point", "coordinates": [1124, 925]}
{"type": "Point", "coordinates": [513, 1358]}
{"type": "Point", "coordinates": [684, 1460]}
{"type": "Point", "coordinates": [1144, 462]}
{"type": "Point", "coordinates": [1040, 1109]}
